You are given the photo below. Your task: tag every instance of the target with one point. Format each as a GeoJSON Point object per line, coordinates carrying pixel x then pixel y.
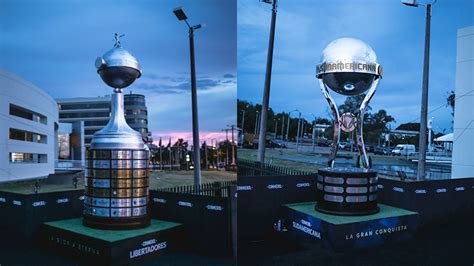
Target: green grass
{"type": "Point", "coordinates": [385, 212]}
{"type": "Point", "coordinates": [75, 225]}
{"type": "Point", "coordinates": [166, 179]}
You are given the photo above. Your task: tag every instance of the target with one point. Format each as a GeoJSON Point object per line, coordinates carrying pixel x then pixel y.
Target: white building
{"type": "Point", "coordinates": [28, 120]}
{"type": "Point", "coordinates": [463, 139]}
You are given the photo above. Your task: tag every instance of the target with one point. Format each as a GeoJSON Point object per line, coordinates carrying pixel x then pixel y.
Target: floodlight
{"type": "Point", "coordinates": [413, 3]}
{"type": "Point", "coordinates": [179, 12]}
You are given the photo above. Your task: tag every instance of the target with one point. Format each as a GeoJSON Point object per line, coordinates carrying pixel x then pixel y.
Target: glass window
{"type": "Point", "coordinates": [81, 115]}
{"type": "Point", "coordinates": [22, 135]}
{"type": "Point", "coordinates": [27, 114]}
{"type": "Point", "coordinates": [19, 157]}
{"type": "Point", "coordinates": [95, 123]}
{"type": "Point", "coordinates": [75, 106]}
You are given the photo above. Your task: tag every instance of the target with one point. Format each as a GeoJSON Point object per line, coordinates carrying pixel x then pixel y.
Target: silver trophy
{"type": "Point", "coordinates": [116, 184]}
{"type": "Point", "coordinates": [348, 67]}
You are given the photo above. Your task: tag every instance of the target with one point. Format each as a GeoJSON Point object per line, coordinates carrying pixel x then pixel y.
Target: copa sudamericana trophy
{"type": "Point", "coordinates": [348, 67]}
{"type": "Point", "coordinates": [116, 186]}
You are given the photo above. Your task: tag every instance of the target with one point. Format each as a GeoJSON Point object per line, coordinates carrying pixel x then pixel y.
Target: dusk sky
{"type": "Point", "coordinates": [393, 30]}
{"type": "Point", "coordinates": [54, 43]}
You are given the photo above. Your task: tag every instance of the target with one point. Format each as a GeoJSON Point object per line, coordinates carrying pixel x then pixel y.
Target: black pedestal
{"type": "Point", "coordinates": [111, 247]}
{"type": "Point", "coordinates": [347, 191]}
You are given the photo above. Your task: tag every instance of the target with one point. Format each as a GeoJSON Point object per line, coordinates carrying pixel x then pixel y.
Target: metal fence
{"type": "Point", "coordinates": [216, 189]}
{"type": "Point", "coordinates": [252, 168]}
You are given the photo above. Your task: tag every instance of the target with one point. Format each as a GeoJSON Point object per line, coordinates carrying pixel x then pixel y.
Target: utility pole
{"type": "Point", "coordinates": [233, 164]}
{"type": "Point", "coordinates": [226, 146]}
{"type": "Point", "coordinates": [266, 89]}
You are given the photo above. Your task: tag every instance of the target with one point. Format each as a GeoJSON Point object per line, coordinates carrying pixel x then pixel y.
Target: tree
{"type": "Point", "coordinates": [450, 101]}
{"type": "Point", "coordinates": [352, 104]}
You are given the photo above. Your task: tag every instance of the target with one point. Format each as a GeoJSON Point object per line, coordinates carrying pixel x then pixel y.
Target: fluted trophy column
{"type": "Point", "coordinates": [116, 187]}
{"type": "Point", "coordinates": [348, 67]}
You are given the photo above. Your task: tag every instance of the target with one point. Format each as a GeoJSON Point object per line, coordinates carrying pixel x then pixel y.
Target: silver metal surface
{"type": "Point", "coordinates": [142, 201]}
{"type": "Point", "coordinates": [319, 186]}
{"type": "Point", "coordinates": [100, 183]}
{"type": "Point", "coordinates": [121, 203]}
{"type": "Point", "coordinates": [117, 178]}
{"type": "Point", "coordinates": [372, 188]}
{"type": "Point", "coordinates": [121, 212]}
{"type": "Point", "coordinates": [139, 211]}
{"type": "Point", "coordinates": [356, 190]}
{"type": "Point", "coordinates": [117, 134]}
{"type": "Point", "coordinates": [334, 180]}
{"type": "Point", "coordinates": [333, 198]}
{"type": "Point", "coordinates": [350, 67]}
{"type": "Point", "coordinates": [357, 181]}
{"type": "Point", "coordinates": [356, 198]}
{"type": "Point", "coordinates": [335, 123]}
{"type": "Point", "coordinates": [320, 178]}
{"type": "Point", "coordinates": [333, 189]}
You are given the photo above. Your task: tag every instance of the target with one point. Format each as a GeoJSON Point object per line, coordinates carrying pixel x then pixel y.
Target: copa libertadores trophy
{"type": "Point", "coordinates": [116, 187]}
{"type": "Point", "coordinates": [348, 67]}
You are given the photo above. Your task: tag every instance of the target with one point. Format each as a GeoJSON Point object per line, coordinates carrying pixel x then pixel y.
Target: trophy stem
{"type": "Point", "coordinates": [337, 130]}
{"type": "Point", "coordinates": [360, 124]}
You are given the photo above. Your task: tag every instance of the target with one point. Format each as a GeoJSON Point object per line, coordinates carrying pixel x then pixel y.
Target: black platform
{"type": "Point", "coordinates": [106, 247]}
{"type": "Point", "coordinates": [345, 233]}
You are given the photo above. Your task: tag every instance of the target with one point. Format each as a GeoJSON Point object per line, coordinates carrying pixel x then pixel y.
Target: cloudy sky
{"type": "Point", "coordinates": [393, 30]}
{"type": "Point", "coordinates": [53, 44]}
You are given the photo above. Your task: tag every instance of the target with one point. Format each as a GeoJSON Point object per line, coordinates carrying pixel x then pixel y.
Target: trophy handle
{"type": "Point", "coordinates": [360, 123]}
{"type": "Point", "coordinates": [337, 130]}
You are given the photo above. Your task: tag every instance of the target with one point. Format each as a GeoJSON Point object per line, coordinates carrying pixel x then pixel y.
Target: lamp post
{"type": "Point", "coordinates": [179, 12]}
{"type": "Point", "coordinates": [266, 89]}
{"type": "Point", "coordinates": [312, 130]}
{"type": "Point", "coordinates": [282, 125]}
{"type": "Point", "coordinates": [288, 124]}
{"type": "Point", "coordinates": [298, 131]}
{"type": "Point", "coordinates": [276, 127]}
{"type": "Point", "coordinates": [255, 130]}
{"type": "Point", "coordinates": [424, 91]}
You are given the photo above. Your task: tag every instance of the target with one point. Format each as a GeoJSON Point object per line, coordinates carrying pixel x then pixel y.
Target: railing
{"type": "Point", "coordinates": [69, 164]}
{"type": "Point", "coordinates": [215, 189]}
{"type": "Point", "coordinates": [252, 168]}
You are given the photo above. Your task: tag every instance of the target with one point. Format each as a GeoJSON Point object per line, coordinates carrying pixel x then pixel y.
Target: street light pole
{"type": "Point", "coordinates": [288, 124]}
{"type": "Point", "coordinates": [243, 121]}
{"type": "Point", "coordinates": [255, 130]}
{"type": "Point", "coordinates": [179, 12]}
{"type": "Point", "coordinates": [282, 126]}
{"type": "Point", "coordinates": [424, 92]}
{"type": "Point", "coordinates": [266, 89]}
{"type": "Point", "coordinates": [298, 130]}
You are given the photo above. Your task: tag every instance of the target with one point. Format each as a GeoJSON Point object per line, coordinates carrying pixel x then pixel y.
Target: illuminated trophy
{"type": "Point", "coordinates": [116, 185]}
{"type": "Point", "coordinates": [348, 67]}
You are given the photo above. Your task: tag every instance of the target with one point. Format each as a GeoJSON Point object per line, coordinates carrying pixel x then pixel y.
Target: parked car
{"type": "Point", "coordinates": [370, 148]}
{"type": "Point", "coordinates": [404, 149]}
{"type": "Point", "coordinates": [382, 150]}
{"type": "Point", "coordinates": [276, 143]}
{"type": "Point", "coordinates": [323, 143]}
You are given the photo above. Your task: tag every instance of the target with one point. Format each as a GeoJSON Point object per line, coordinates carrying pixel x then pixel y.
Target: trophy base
{"type": "Point", "coordinates": [128, 223]}
{"type": "Point", "coordinates": [347, 191]}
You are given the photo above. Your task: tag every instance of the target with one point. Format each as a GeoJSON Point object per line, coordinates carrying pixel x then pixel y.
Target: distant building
{"type": "Point", "coordinates": [29, 120]}
{"type": "Point", "coordinates": [463, 138]}
{"type": "Point", "coordinates": [136, 114]}
{"type": "Point", "coordinates": [95, 112]}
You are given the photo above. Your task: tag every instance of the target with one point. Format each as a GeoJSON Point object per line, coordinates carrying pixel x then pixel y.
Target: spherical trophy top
{"type": "Point", "coordinates": [348, 66]}
{"type": "Point", "coordinates": [118, 68]}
